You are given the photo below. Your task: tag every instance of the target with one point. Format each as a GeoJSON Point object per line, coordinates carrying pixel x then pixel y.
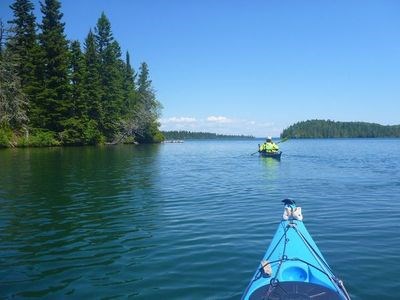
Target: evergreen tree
{"type": "Point", "coordinates": [24, 39]}
{"type": "Point", "coordinates": [92, 84]}
{"type": "Point", "coordinates": [130, 121]}
{"type": "Point", "coordinates": [78, 73]}
{"type": "Point", "coordinates": [144, 82]}
{"type": "Point", "coordinates": [13, 102]}
{"type": "Point", "coordinates": [147, 108]}
{"type": "Point", "coordinates": [111, 77]}
{"type": "Point", "coordinates": [92, 90]}
{"type": "Point", "coordinates": [74, 125]}
{"type": "Point", "coordinates": [69, 96]}
{"type": "Point", "coordinates": [129, 88]}
{"type": "Point", "coordinates": [54, 98]}
{"type": "Point", "coordinates": [22, 42]}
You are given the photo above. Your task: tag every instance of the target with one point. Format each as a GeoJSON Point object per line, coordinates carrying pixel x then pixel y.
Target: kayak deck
{"type": "Point", "coordinates": [293, 268]}
{"type": "Point", "coordinates": [295, 290]}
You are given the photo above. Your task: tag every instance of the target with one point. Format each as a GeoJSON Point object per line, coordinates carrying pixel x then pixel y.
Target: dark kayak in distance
{"type": "Point", "coordinates": [293, 267]}
{"type": "Point", "coordinates": [276, 155]}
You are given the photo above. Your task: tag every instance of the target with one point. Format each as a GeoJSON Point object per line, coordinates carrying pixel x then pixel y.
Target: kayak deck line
{"type": "Point", "coordinates": [293, 267]}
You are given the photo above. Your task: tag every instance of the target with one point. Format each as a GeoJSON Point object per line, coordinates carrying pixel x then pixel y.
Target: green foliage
{"type": "Point", "coordinates": [67, 96]}
{"type": "Point", "coordinates": [129, 88]}
{"type": "Point", "coordinates": [147, 108]}
{"type": "Point", "coordinates": [6, 137]}
{"type": "Point", "coordinates": [188, 135]}
{"type": "Point", "coordinates": [43, 139]}
{"type": "Point", "coordinates": [158, 136]}
{"type": "Point", "coordinates": [78, 106]}
{"type": "Point", "coordinates": [23, 41]}
{"type": "Point", "coordinates": [151, 134]}
{"type": "Point", "coordinates": [91, 81]}
{"type": "Point", "coordinates": [144, 81]}
{"type": "Point", "coordinates": [76, 122]}
{"type": "Point", "coordinates": [332, 129]}
{"type": "Point", "coordinates": [129, 140]}
{"type": "Point", "coordinates": [38, 138]}
{"type": "Point", "coordinates": [54, 98]}
{"type": "Point", "coordinates": [111, 77]}
{"type": "Point", "coordinates": [81, 132]}
{"type": "Point", "coordinates": [73, 134]}
{"type": "Point", "coordinates": [13, 103]}
{"type": "Point", "coordinates": [92, 134]}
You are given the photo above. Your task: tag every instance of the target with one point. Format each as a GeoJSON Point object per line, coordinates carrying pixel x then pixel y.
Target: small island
{"type": "Point", "coordinates": [333, 129]}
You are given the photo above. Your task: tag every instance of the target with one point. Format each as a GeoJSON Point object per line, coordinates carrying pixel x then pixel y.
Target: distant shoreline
{"type": "Point", "coordinates": [324, 129]}
{"type": "Point", "coordinates": [193, 135]}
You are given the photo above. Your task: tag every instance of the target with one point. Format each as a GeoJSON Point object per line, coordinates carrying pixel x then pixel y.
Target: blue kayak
{"type": "Point", "coordinates": [293, 267]}
{"type": "Point", "coordinates": [276, 155]}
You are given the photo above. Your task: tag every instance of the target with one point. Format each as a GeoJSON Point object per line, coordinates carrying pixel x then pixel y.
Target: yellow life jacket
{"type": "Point", "coordinates": [271, 147]}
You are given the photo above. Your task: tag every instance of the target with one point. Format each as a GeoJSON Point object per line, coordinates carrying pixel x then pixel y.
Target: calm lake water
{"type": "Point", "coordinates": [192, 220]}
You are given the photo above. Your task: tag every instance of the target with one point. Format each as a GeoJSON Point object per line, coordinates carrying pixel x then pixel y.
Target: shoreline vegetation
{"type": "Point", "coordinates": [334, 129]}
{"type": "Point", "coordinates": [193, 135]}
{"type": "Point", "coordinates": [57, 92]}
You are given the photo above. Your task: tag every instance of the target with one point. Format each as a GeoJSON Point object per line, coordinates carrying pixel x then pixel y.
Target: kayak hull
{"type": "Point", "coordinates": [276, 155]}
{"type": "Point", "coordinates": [294, 268]}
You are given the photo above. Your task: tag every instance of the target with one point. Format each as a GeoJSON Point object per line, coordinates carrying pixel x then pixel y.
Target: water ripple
{"type": "Point", "coordinates": [191, 220]}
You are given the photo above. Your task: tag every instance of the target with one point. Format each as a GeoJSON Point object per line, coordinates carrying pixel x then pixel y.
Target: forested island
{"type": "Point", "coordinates": [189, 135]}
{"type": "Point", "coordinates": [332, 129]}
{"type": "Point", "coordinates": [58, 92]}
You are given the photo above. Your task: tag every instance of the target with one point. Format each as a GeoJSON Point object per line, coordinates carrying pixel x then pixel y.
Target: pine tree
{"type": "Point", "coordinates": [54, 99]}
{"type": "Point", "coordinates": [111, 77]}
{"type": "Point", "coordinates": [78, 73]}
{"type": "Point", "coordinates": [74, 125]}
{"type": "Point", "coordinates": [147, 108]}
{"type": "Point", "coordinates": [129, 86]}
{"type": "Point", "coordinates": [92, 90]}
{"type": "Point", "coordinates": [13, 102]}
{"type": "Point", "coordinates": [92, 84]}
{"type": "Point", "coordinates": [144, 82]}
{"type": "Point", "coordinates": [24, 39]}
{"type": "Point", "coordinates": [130, 121]}
{"type": "Point", "coordinates": [22, 42]}
{"type": "Point", "coordinates": [146, 92]}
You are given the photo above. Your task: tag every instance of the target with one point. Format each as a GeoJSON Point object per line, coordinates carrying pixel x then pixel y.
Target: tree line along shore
{"type": "Point", "coordinates": [332, 129]}
{"type": "Point", "coordinates": [58, 92]}
{"type": "Point", "coordinates": [188, 135]}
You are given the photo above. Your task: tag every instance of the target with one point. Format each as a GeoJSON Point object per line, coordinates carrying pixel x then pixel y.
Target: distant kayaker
{"type": "Point", "coordinates": [269, 146]}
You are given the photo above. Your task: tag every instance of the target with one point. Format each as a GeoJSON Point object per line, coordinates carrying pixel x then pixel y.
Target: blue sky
{"type": "Point", "coordinates": [255, 67]}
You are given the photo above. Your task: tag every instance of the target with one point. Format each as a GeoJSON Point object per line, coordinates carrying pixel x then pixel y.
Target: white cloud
{"type": "Point", "coordinates": [219, 119]}
{"type": "Point", "coordinates": [179, 123]}
{"type": "Point", "coordinates": [177, 120]}
{"type": "Point", "coordinates": [221, 124]}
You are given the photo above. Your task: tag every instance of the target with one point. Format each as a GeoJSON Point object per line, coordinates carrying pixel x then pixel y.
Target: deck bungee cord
{"type": "Point", "coordinates": [293, 266]}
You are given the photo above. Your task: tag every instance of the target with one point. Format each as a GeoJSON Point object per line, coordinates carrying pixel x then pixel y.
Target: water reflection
{"type": "Point", "coordinates": [73, 216]}
{"type": "Point", "coordinates": [271, 167]}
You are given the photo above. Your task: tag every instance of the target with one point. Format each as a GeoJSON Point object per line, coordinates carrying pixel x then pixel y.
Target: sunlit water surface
{"type": "Point", "coordinates": [192, 220]}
